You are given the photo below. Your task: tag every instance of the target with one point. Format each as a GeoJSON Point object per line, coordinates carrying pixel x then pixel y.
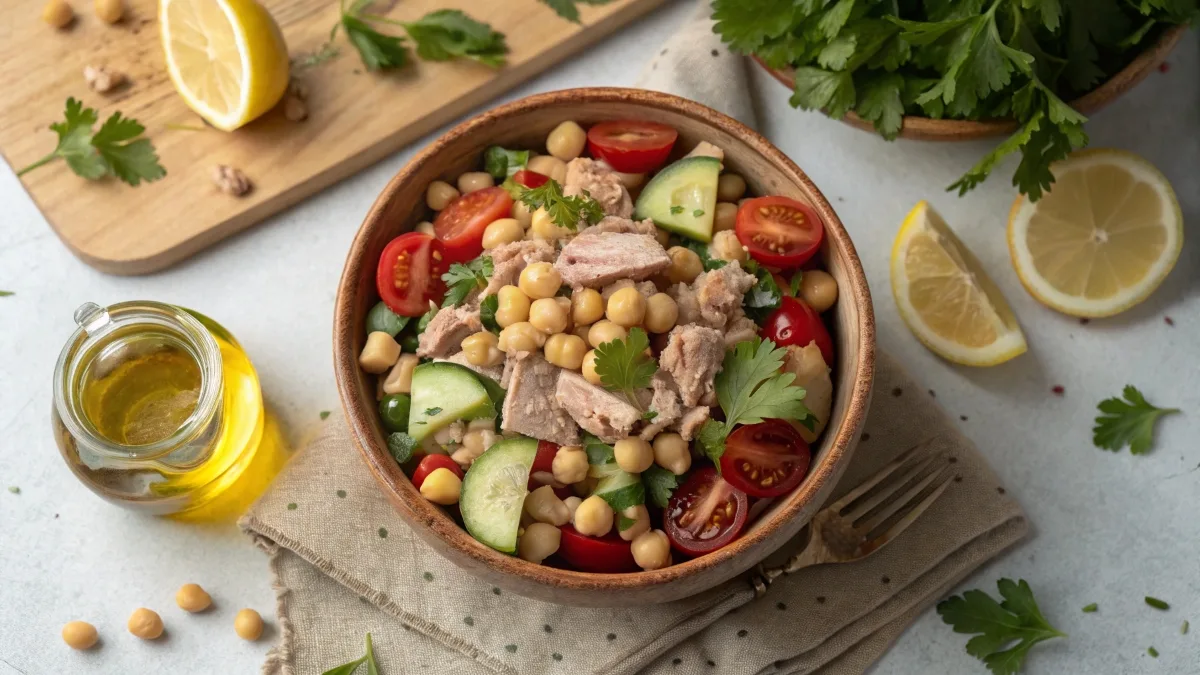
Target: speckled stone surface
{"type": "Point", "coordinates": [1109, 529]}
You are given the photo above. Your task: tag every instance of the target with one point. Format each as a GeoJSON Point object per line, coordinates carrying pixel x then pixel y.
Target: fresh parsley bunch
{"type": "Point", "coordinates": [958, 59]}
{"type": "Point", "coordinates": [116, 149]}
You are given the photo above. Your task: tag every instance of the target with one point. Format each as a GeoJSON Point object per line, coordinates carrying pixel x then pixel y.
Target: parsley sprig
{"type": "Point", "coordinates": [1127, 422]}
{"type": "Point", "coordinates": [624, 366]}
{"type": "Point", "coordinates": [1004, 631]}
{"type": "Point", "coordinates": [115, 150]}
{"type": "Point", "coordinates": [352, 667]}
{"type": "Point", "coordinates": [567, 8]}
{"type": "Point", "coordinates": [750, 389]}
{"type": "Point", "coordinates": [564, 211]}
{"type": "Point", "coordinates": [439, 36]}
{"type": "Point", "coordinates": [462, 278]}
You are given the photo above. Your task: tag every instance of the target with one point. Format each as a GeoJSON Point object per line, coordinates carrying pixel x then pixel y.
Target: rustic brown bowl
{"type": "Point", "coordinates": [525, 123]}
{"type": "Point", "coordinates": [929, 129]}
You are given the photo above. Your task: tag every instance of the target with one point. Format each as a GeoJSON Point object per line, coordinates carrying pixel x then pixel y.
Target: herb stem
{"type": "Point", "coordinates": [382, 19]}
{"type": "Point", "coordinates": [1156, 603]}
{"type": "Point", "coordinates": [41, 162]}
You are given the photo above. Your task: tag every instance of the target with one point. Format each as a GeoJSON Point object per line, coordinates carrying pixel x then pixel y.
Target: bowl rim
{"type": "Point", "coordinates": [421, 514]}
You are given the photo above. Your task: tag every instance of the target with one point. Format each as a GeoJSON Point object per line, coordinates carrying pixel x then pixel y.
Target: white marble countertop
{"type": "Point", "coordinates": [1108, 528]}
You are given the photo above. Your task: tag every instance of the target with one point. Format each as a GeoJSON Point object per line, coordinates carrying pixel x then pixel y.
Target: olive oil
{"type": "Point", "coordinates": [146, 398]}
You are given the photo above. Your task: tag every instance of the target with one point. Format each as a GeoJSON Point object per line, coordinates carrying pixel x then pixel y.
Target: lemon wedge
{"type": "Point", "coordinates": [226, 58]}
{"type": "Point", "coordinates": [1102, 239]}
{"type": "Point", "coordinates": [946, 298]}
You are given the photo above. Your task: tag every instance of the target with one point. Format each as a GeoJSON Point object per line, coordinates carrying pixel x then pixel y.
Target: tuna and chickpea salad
{"type": "Point", "coordinates": [600, 359]}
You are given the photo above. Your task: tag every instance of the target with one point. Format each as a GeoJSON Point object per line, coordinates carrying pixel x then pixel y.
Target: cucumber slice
{"type": "Point", "coordinates": [682, 197]}
{"type": "Point", "coordinates": [615, 486]}
{"type": "Point", "coordinates": [443, 393]}
{"type": "Point", "coordinates": [493, 492]}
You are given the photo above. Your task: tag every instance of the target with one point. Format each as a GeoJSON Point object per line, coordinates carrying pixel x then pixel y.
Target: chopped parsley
{"type": "Point", "coordinates": [564, 211]}
{"type": "Point", "coordinates": [623, 365]}
{"type": "Point", "coordinates": [1127, 422]}
{"type": "Point", "coordinates": [462, 279]}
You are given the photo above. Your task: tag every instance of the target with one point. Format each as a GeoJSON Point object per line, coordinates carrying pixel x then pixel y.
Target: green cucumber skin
{"type": "Point", "coordinates": [619, 488]}
{"type": "Point", "coordinates": [453, 389]}
{"type": "Point", "coordinates": [655, 200]}
{"type": "Point", "coordinates": [479, 515]}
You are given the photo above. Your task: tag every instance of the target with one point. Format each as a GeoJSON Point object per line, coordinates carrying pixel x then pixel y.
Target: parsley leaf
{"type": "Point", "coordinates": [502, 163]}
{"type": "Point", "coordinates": [1128, 422]}
{"type": "Point", "coordinates": [567, 8]}
{"type": "Point", "coordinates": [5, 294]}
{"type": "Point", "coordinates": [706, 260]}
{"type": "Point", "coordinates": [564, 211]}
{"type": "Point", "coordinates": [649, 415]}
{"type": "Point", "coordinates": [116, 149]}
{"type": "Point", "coordinates": [448, 33]}
{"type": "Point", "coordinates": [1004, 631]}
{"type": "Point", "coordinates": [378, 51]}
{"type": "Point", "coordinates": [818, 89]}
{"type": "Point", "coordinates": [430, 412]}
{"type": "Point", "coordinates": [660, 484]}
{"type": "Point", "coordinates": [487, 313]}
{"type": "Point", "coordinates": [624, 366]}
{"type": "Point", "coordinates": [794, 284]}
{"type": "Point", "coordinates": [461, 279]}
{"type": "Point", "coordinates": [401, 446]}
{"type": "Point", "coordinates": [368, 658]}
{"type": "Point", "coordinates": [764, 296]}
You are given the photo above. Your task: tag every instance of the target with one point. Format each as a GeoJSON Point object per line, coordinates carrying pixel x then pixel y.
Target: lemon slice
{"type": "Point", "coordinates": [946, 298]}
{"type": "Point", "coordinates": [1102, 239]}
{"type": "Point", "coordinates": [226, 58]}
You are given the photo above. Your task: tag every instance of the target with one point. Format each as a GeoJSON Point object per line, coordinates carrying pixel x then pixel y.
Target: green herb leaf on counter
{"type": "Point", "coordinates": [660, 484]}
{"type": "Point", "coordinates": [1088, 609]}
{"type": "Point", "coordinates": [1157, 604]}
{"type": "Point", "coordinates": [5, 294]}
{"type": "Point", "coordinates": [567, 8]}
{"type": "Point", "coordinates": [1127, 422]}
{"type": "Point", "coordinates": [564, 211]}
{"type": "Point", "coordinates": [623, 365]}
{"type": "Point", "coordinates": [1152, 652]}
{"type": "Point", "coordinates": [324, 414]}
{"type": "Point", "coordinates": [449, 33]}
{"type": "Point", "coordinates": [462, 278]}
{"type": "Point", "coordinates": [487, 313]}
{"type": "Point", "coordinates": [378, 51]}
{"type": "Point", "coordinates": [1183, 629]}
{"type": "Point", "coordinates": [353, 666]}
{"type": "Point", "coordinates": [764, 296]}
{"type": "Point", "coordinates": [1004, 631]}
{"type": "Point", "coordinates": [116, 149]}
{"type": "Point", "coordinates": [401, 446]}
{"type": "Point", "coordinates": [14, 489]}
{"type": "Point", "coordinates": [502, 162]}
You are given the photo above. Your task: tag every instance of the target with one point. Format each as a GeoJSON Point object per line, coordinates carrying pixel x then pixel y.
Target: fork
{"type": "Point", "coordinates": [870, 515]}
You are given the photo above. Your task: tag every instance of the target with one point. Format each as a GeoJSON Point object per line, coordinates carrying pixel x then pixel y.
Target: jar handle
{"type": "Point", "coordinates": [91, 317]}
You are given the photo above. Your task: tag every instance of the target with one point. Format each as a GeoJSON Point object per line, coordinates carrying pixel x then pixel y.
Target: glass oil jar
{"type": "Point", "coordinates": [156, 407]}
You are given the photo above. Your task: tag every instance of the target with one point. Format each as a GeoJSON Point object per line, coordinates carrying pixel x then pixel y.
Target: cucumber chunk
{"type": "Point", "coordinates": [615, 486]}
{"type": "Point", "coordinates": [682, 197]}
{"type": "Point", "coordinates": [443, 393]}
{"type": "Point", "coordinates": [493, 492]}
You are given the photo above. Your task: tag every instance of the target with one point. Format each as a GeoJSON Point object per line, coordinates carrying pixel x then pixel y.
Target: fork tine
{"type": "Point", "coordinates": [891, 508]}
{"type": "Point", "coordinates": [886, 490]}
{"type": "Point", "coordinates": [871, 482]}
{"type": "Point", "coordinates": [870, 545]}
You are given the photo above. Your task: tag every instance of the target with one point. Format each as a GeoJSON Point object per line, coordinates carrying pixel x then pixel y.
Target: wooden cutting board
{"type": "Point", "coordinates": [355, 117]}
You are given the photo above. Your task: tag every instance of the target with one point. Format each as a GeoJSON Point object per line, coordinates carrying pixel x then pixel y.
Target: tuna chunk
{"type": "Point", "coordinates": [600, 183]}
{"type": "Point", "coordinates": [646, 288]}
{"type": "Point", "coordinates": [596, 259]}
{"type": "Point", "coordinates": [692, 420]}
{"type": "Point", "coordinates": [665, 402]}
{"type": "Point", "coordinates": [714, 299]}
{"type": "Point", "coordinates": [493, 372]}
{"type": "Point", "coordinates": [508, 261]}
{"type": "Point", "coordinates": [530, 407]}
{"type": "Point", "coordinates": [446, 331]}
{"type": "Point", "coordinates": [740, 330]}
{"type": "Point", "coordinates": [597, 410]}
{"type": "Point", "coordinates": [625, 226]}
{"type": "Point", "coordinates": [692, 358]}
{"type": "Point", "coordinates": [812, 374]}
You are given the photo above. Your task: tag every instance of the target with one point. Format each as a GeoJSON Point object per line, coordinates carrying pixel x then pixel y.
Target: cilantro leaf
{"type": "Point", "coordinates": [487, 313]}
{"type": "Point", "coordinates": [747, 24]}
{"type": "Point", "coordinates": [564, 211]}
{"type": "Point", "coordinates": [401, 446]}
{"type": "Point", "coordinates": [116, 149]}
{"type": "Point", "coordinates": [1127, 422]}
{"type": "Point", "coordinates": [880, 104]}
{"type": "Point", "coordinates": [624, 366]}
{"type": "Point", "coordinates": [598, 452]}
{"type": "Point", "coordinates": [818, 89]}
{"type": "Point", "coordinates": [378, 51]}
{"type": "Point", "coordinates": [449, 33]}
{"type": "Point", "coordinates": [660, 484]}
{"type": "Point", "coordinates": [502, 163]}
{"type": "Point", "coordinates": [567, 8]}
{"type": "Point", "coordinates": [1004, 631]}
{"type": "Point", "coordinates": [461, 279]}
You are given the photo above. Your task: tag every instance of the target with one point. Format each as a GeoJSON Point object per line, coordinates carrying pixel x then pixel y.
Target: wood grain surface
{"type": "Point", "coordinates": [355, 117]}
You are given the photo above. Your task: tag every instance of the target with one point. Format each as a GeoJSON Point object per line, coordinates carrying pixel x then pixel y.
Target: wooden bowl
{"type": "Point", "coordinates": [929, 129]}
{"type": "Point", "coordinates": [525, 124]}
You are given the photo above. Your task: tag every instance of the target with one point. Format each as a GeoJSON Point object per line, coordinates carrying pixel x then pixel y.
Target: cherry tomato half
{"type": "Point", "coordinates": [431, 463]}
{"type": "Point", "coordinates": [529, 179]}
{"type": "Point", "coordinates": [609, 553]}
{"type": "Point", "coordinates": [461, 224]}
{"type": "Point", "coordinates": [631, 146]}
{"type": "Point", "coordinates": [543, 462]}
{"type": "Point", "coordinates": [765, 459]}
{"type": "Point", "coordinates": [795, 323]}
{"type": "Point", "coordinates": [778, 231]}
{"type": "Point", "coordinates": [410, 273]}
{"type": "Point", "coordinates": [705, 513]}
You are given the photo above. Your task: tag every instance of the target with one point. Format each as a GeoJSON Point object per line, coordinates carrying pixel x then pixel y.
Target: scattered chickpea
{"type": "Point", "coordinates": [588, 369]}
{"type": "Point", "coordinates": [512, 306]}
{"type": "Point", "coordinates": [473, 181]}
{"type": "Point", "coordinates": [586, 306]}
{"type": "Point", "coordinates": [565, 350]}
{"type": "Point", "coordinates": [581, 330]}
{"type": "Point", "coordinates": [633, 454]}
{"type": "Point", "coordinates": [651, 550]}
{"type": "Point", "coordinates": [79, 635]}
{"type": "Point", "coordinates": [593, 517]}
{"type": "Point", "coordinates": [570, 464]}
{"type": "Point", "coordinates": [439, 194]}
{"type": "Point", "coordinates": [482, 349]}
{"type": "Point", "coordinates": [661, 313]}
{"type": "Point", "coordinates": [818, 289]}
{"type": "Point", "coordinates": [725, 217]}
{"type": "Point", "coordinates": [192, 598]}
{"type": "Point", "coordinates": [539, 280]}
{"type": "Point", "coordinates": [442, 486]}
{"type": "Point", "coordinates": [626, 307]}
{"type": "Point", "coordinates": [145, 623]}
{"type": "Point", "coordinates": [502, 231]}
{"type": "Point", "coordinates": [538, 542]}
{"type": "Point", "coordinates": [671, 453]}
{"type": "Point", "coordinates": [548, 316]}
{"type": "Point", "coordinates": [641, 522]}
{"type": "Point", "coordinates": [59, 14]}
{"type": "Point", "coordinates": [605, 331]}
{"type": "Point", "coordinates": [109, 11]}
{"type": "Point", "coordinates": [566, 141]}
{"type": "Point", "coordinates": [730, 187]}
{"type": "Point", "coordinates": [685, 265]}
{"type": "Point", "coordinates": [248, 624]}
{"type": "Point", "coordinates": [545, 507]}
{"type": "Point", "coordinates": [548, 165]}
{"type": "Point", "coordinates": [380, 353]}
{"type": "Point", "coordinates": [726, 246]}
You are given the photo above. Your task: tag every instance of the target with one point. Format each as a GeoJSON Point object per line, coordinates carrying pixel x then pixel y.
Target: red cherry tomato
{"type": "Point", "coordinates": [632, 146]}
{"type": "Point", "coordinates": [609, 553]}
{"type": "Point", "coordinates": [795, 323]}
{"type": "Point", "coordinates": [778, 231]}
{"type": "Point", "coordinates": [410, 273]}
{"type": "Point", "coordinates": [765, 459]}
{"type": "Point", "coordinates": [705, 513]}
{"type": "Point", "coordinates": [431, 463]}
{"type": "Point", "coordinates": [543, 462]}
{"type": "Point", "coordinates": [530, 179]}
{"type": "Point", "coordinates": [461, 224]}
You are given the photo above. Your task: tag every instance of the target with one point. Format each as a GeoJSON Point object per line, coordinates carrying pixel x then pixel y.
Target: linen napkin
{"type": "Point", "coordinates": [344, 564]}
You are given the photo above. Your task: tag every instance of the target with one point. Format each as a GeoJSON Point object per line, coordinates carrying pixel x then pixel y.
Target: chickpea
{"type": "Point", "coordinates": [548, 316]}
{"type": "Point", "coordinates": [570, 464]}
{"type": "Point", "coordinates": [521, 337]}
{"type": "Point", "coordinates": [540, 280]}
{"type": "Point", "coordinates": [572, 505]}
{"type": "Point", "coordinates": [594, 517]}
{"type": "Point", "coordinates": [474, 443]}
{"type": "Point", "coordinates": [661, 313]}
{"type": "Point", "coordinates": [145, 623]}
{"type": "Point", "coordinates": [725, 217]}
{"type": "Point", "coordinates": [545, 506]}
{"type": "Point", "coordinates": [192, 598]}
{"type": "Point", "coordinates": [605, 331]}
{"type": "Point", "coordinates": [671, 453]}
{"type": "Point", "coordinates": [565, 350]}
{"type": "Point", "coordinates": [482, 424]}
{"type": "Point", "coordinates": [512, 306]}
{"type": "Point", "coordinates": [818, 289]}
{"type": "Point", "coordinates": [501, 232]}
{"type": "Point", "coordinates": [109, 11]}
{"type": "Point", "coordinates": [662, 236]}
{"type": "Point", "coordinates": [633, 454]}
{"type": "Point", "coordinates": [425, 227]}
{"type": "Point", "coordinates": [521, 213]}
{"type": "Point", "coordinates": [540, 541]}
{"type": "Point", "coordinates": [685, 265]}
{"type": "Point", "coordinates": [726, 246]}
{"type": "Point", "coordinates": [59, 14]}
{"type": "Point", "coordinates": [482, 349]}
{"type": "Point", "coordinates": [79, 635]}
{"type": "Point", "coordinates": [586, 306]}
{"type": "Point", "coordinates": [581, 331]}
{"type": "Point", "coordinates": [651, 550]}
{"type": "Point", "coordinates": [439, 194]}
{"type": "Point", "coordinates": [641, 522]}
{"type": "Point", "coordinates": [626, 307]}
{"type": "Point", "coordinates": [542, 226]}
{"type": "Point", "coordinates": [566, 141]}
{"type": "Point", "coordinates": [380, 352]}
{"type": "Point", "coordinates": [442, 486]}
{"type": "Point", "coordinates": [399, 379]}
{"type": "Point", "coordinates": [564, 303]}
{"type": "Point", "coordinates": [473, 181]}
{"type": "Point", "coordinates": [730, 187]}
{"type": "Point", "coordinates": [550, 166]}
{"type": "Point", "coordinates": [589, 368]}
{"type": "Point", "coordinates": [248, 624]}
